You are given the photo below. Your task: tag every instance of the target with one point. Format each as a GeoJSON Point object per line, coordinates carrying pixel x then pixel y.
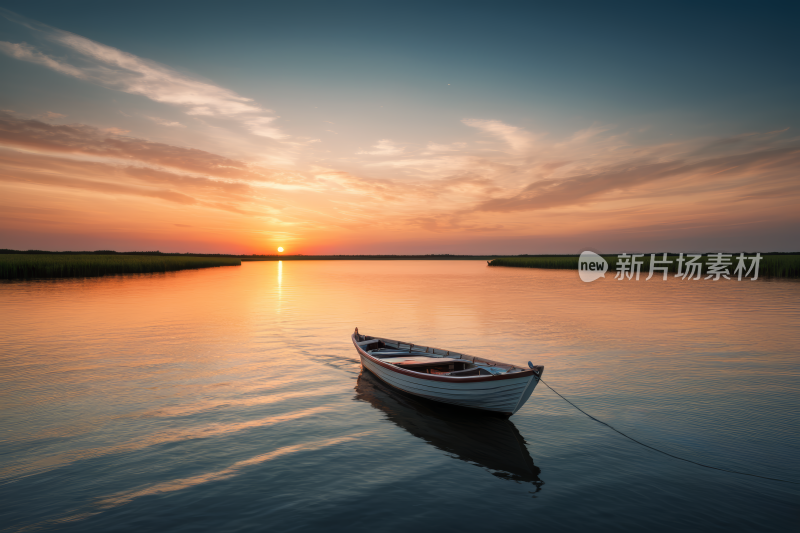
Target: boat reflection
{"type": "Point", "coordinates": [481, 439]}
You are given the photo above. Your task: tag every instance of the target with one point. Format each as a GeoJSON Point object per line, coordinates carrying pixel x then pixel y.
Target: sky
{"type": "Point", "coordinates": [399, 127]}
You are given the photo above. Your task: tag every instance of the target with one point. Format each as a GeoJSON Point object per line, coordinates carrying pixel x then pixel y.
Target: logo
{"type": "Point", "coordinates": [685, 266]}
{"type": "Point", "coordinates": [591, 266]}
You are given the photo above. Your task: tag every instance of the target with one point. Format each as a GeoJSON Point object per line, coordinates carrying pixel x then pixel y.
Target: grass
{"type": "Point", "coordinates": [771, 266]}
{"type": "Point", "coordinates": [21, 266]}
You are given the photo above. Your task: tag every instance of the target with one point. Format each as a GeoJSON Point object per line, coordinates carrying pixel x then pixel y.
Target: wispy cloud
{"type": "Point", "coordinates": [26, 52]}
{"type": "Point", "coordinates": [115, 131]}
{"type": "Point", "coordinates": [452, 147]}
{"type": "Point", "coordinates": [627, 177]}
{"type": "Point", "coordinates": [384, 147]}
{"type": "Point", "coordinates": [14, 170]}
{"type": "Point", "coordinates": [594, 178]}
{"type": "Point", "coordinates": [85, 140]}
{"type": "Point", "coordinates": [50, 115]}
{"type": "Point", "coordinates": [115, 69]}
{"type": "Point", "coordinates": [80, 157]}
{"type": "Point", "coordinates": [517, 138]}
{"type": "Point", "coordinates": [168, 123]}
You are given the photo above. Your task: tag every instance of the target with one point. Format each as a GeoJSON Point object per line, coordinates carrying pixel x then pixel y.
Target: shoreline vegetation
{"type": "Point", "coordinates": [17, 264]}
{"type": "Point", "coordinates": [30, 266]}
{"type": "Point", "coordinates": [772, 265]}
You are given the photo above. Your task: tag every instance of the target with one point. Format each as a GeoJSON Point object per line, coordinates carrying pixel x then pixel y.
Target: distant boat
{"type": "Point", "coordinates": [447, 376]}
{"type": "Point", "coordinates": [484, 440]}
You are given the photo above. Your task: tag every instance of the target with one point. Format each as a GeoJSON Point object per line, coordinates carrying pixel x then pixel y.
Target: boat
{"type": "Point", "coordinates": [447, 376]}
{"type": "Point", "coordinates": [479, 439]}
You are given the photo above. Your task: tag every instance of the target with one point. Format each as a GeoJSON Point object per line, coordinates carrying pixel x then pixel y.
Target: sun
{"type": "Point", "coordinates": [280, 248]}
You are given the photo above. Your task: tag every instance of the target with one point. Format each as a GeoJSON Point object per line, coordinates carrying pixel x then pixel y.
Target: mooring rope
{"type": "Point", "coordinates": [662, 451]}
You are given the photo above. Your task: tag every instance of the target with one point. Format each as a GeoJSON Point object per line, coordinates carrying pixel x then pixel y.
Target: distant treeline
{"type": "Point", "coordinates": [772, 265]}
{"type": "Point", "coordinates": [71, 265]}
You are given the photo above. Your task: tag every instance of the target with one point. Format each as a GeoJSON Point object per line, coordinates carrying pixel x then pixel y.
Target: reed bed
{"type": "Point", "coordinates": [771, 266]}
{"type": "Point", "coordinates": [22, 266]}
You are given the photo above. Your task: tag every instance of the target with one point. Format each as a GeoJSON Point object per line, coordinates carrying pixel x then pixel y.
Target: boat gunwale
{"type": "Point", "coordinates": [437, 377]}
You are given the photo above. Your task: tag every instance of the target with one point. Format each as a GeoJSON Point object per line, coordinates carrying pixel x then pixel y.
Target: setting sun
{"type": "Point", "coordinates": [280, 248]}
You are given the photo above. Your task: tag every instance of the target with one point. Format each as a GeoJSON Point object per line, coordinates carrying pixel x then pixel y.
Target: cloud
{"type": "Point", "coordinates": [454, 147]}
{"type": "Point", "coordinates": [80, 157]}
{"type": "Point", "coordinates": [594, 178]}
{"type": "Point", "coordinates": [94, 186]}
{"type": "Point", "coordinates": [115, 69]}
{"type": "Point", "coordinates": [85, 140]}
{"type": "Point", "coordinates": [452, 223]}
{"type": "Point", "coordinates": [262, 126]}
{"type": "Point", "coordinates": [627, 176]}
{"type": "Point", "coordinates": [26, 52]}
{"type": "Point", "coordinates": [97, 177]}
{"type": "Point", "coordinates": [115, 131]}
{"type": "Point", "coordinates": [353, 184]}
{"type": "Point", "coordinates": [51, 115]}
{"type": "Point", "coordinates": [384, 147]}
{"type": "Point", "coordinates": [588, 133]}
{"type": "Point", "coordinates": [517, 138]}
{"type": "Point", "coordinates": [168, 123]}
{"type": "Point", "coordinates": [468, 184]}
{"type": "Point", "coordinates": [237, 190]}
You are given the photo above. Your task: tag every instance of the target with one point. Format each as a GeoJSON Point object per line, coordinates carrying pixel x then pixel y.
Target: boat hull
{"type": "Point", "coordinates": [503, 394]}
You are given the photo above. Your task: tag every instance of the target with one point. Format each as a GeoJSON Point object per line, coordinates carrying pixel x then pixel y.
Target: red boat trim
{"type": "Point", "coordinates": [434, 377]}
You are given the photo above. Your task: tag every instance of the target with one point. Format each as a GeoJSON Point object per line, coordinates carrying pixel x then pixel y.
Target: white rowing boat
{"type": "Point", "coordinates": [448, 376]}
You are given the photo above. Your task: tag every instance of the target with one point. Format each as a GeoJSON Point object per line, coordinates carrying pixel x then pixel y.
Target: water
{"type": "Point", "coordinates": [232, 399]}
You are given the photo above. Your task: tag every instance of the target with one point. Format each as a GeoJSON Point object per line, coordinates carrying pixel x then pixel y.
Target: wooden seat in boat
{"type": "Point", "coordinates": [470, 372]}
{"type": "Point", "coordinates": [419, 360]}
{"type": "Point", "coordinates": [365, 343]}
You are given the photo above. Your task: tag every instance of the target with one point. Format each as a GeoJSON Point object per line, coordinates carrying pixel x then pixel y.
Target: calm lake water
{"type": "Point", "coordinates": [231, 399]}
